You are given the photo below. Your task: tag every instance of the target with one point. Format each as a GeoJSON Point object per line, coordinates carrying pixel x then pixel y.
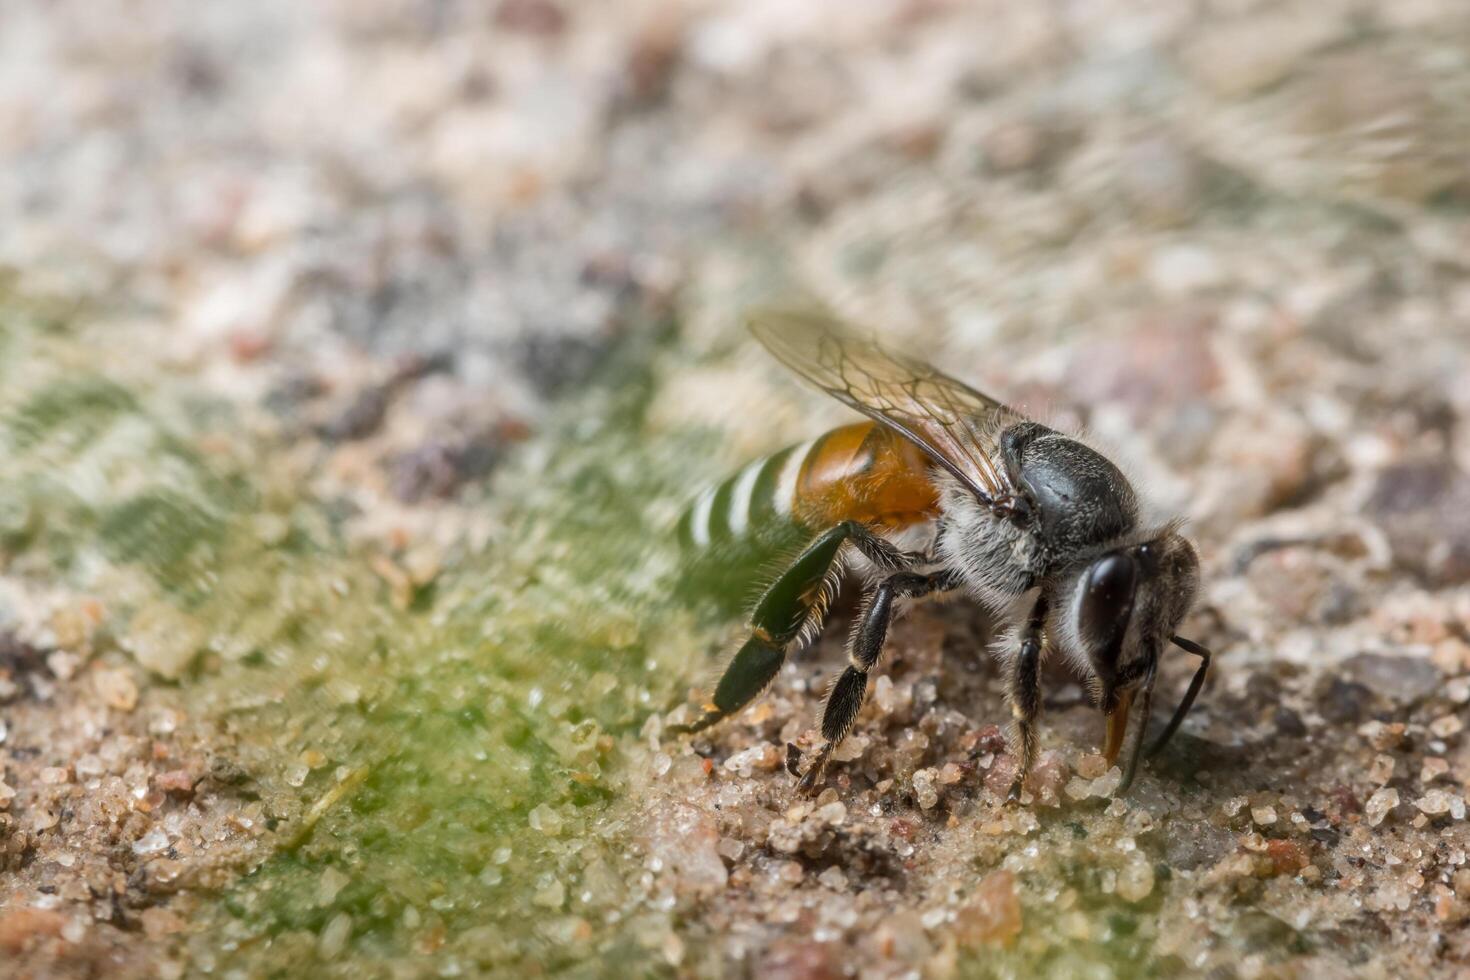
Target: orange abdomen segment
{"type": "Point", "coordinates": [864, 472]}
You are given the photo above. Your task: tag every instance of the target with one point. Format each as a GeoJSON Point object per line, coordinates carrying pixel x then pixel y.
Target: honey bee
{"type": "Point", "coordinates": [946, 490]}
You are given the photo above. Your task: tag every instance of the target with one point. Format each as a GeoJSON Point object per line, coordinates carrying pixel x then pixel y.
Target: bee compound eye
{"type": "Point", "coordinates": [1107, 603]}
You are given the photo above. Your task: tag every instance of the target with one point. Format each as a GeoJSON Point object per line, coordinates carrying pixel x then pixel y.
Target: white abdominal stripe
{"type": "Point", "coordinates": [763, 492]}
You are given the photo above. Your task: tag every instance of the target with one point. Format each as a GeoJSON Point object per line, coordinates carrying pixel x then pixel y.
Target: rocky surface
{"type": "Point", "coordinates": [356, 358]}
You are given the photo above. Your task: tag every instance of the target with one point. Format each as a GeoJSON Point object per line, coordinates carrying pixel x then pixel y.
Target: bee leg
{"type": "Point", "coordinates": [846, 697]}
{"type": "Point", "coordinates": [1025, 695]}
{"type": "Point", "coordinates": [754, 667]}
{"type": "Point", "coordinates": [879, 551]}
{"type": "Point", "coordinates": [795, 603]}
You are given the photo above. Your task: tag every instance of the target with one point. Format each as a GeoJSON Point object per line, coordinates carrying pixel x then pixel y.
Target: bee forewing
{"type": "Point", "coordinates": [952, 422]}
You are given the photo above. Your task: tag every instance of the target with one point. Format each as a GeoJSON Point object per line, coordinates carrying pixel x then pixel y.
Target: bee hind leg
{"type": "Point", "coordinates": [795, 603]}
{"type": "Point", "coordinates": [846, 697]}
{"type": "Point", "coordinates": [1025, 695]}
{"type": "Point", "coordinates": [754, 667]}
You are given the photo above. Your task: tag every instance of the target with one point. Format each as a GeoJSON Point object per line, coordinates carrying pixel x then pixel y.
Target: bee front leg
{"type": "Point", "coordinates": [1025, 694]}
{"type": "Point", "coordinates": [846, 697]}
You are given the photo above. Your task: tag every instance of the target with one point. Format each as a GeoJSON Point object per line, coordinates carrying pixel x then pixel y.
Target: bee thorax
{"type": "Point", "coordinates": [997, 559]}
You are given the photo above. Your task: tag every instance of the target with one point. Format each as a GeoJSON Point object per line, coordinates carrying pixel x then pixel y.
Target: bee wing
{"type": "Point", "coordinates": [950, 421]}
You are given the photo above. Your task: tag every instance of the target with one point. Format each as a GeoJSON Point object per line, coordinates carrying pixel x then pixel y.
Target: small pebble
{"type": "Point", "coordinates": [833, 878]}
{"type": "Point", "coordinates": [797, 812]}
{"type": "Point", "coordinates": [1433, 768]}
{"type": "Point", "coordinates": [334, 935]}
{"type": "Point", "coordinates": [63, 664]}
{"type": "Point", "coordinates": [765, 757]}
{"type": "Point", "coordinates": [1287, 856]}
{"type": "Point", "coordinates": [175, 781]}
{"type": "Point", "coordinates": [1379, 804]}
{"type": "Point", "coordinates": [1447, 725]}
{"type": "Point", "coordinates": [1264, 816]}
{"type": "Point", "coordinates": [551, 895]}
{"type": "Point", "coordinates": [1433, 803]}
{"type": "Point", "coordinates": [832, 813]}
{"type": "Point", "coordinates": [546, 819]}
{"type": "Point", "coordinates": [883, 695]}
{"type": "Point", "coordinates": [852, 748]}
{"type": "Point", "coordinates": [329, 885]}
{"type": "Point", "coordinates": [116, 688]}
{"type": "Point", "coordinates": [1107, 784]}
{"type": "Point", "coordinates": [924, 790]}
{"type": "Point", "coordinates": [690, 769]}
{"type": "Point", "coordinates": [1135, 881]}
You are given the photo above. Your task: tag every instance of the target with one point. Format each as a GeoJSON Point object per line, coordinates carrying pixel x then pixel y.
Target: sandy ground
{"type": "Point", "coordinates": [1227, 239]}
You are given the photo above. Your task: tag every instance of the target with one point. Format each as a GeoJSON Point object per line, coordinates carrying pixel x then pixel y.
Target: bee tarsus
{"type": "Point", "coordinates": [845, 699]}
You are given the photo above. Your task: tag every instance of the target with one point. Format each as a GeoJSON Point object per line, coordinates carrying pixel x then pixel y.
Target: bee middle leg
{"type": "Point", "coordinates": [792, 607]}
{"type": "Point", "coordinates": [1025, 694]}
{"type": "Point", "coordinates": [846, 697]}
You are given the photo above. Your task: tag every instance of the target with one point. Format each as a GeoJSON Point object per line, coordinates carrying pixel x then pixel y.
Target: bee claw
{"type": "Point", "coordinates": [807, 784]}
{"type": "Point", "coordinates": [698, 725]}
{"type": "Point", "coordinates": [793, 759]}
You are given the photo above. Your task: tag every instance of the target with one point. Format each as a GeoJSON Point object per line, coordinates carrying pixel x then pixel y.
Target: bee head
{"type": "Point", "coordinates": [1123, 606]}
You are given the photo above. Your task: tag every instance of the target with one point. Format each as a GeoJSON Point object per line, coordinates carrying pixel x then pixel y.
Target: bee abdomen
{"type": "Point", "coordinates": [760, 497]}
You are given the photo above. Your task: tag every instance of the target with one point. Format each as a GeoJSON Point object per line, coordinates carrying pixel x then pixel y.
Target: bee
{"type": "Point", "coordinates": [945, 490]}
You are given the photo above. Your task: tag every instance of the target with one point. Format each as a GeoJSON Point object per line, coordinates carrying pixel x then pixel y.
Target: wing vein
{"type": "Point", "coordinates": [951, 422]}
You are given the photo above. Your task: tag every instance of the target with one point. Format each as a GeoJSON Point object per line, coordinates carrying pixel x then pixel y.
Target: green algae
{"type": "Point", "coordinates": [464, 765]}
{"type": "Point", "coordinates": [484, 833]}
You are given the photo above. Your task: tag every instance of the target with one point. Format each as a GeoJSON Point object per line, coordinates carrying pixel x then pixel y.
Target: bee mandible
{"type": "Point", "coordinates": [946, 490]}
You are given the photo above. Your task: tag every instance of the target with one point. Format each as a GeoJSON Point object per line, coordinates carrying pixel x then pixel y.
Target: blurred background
{"type": "Point", "coordinates": [357, 357]}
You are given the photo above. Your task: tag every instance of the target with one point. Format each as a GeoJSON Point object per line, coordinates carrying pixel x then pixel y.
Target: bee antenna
{"type": "Point", "coordinates": [1188, 646]}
